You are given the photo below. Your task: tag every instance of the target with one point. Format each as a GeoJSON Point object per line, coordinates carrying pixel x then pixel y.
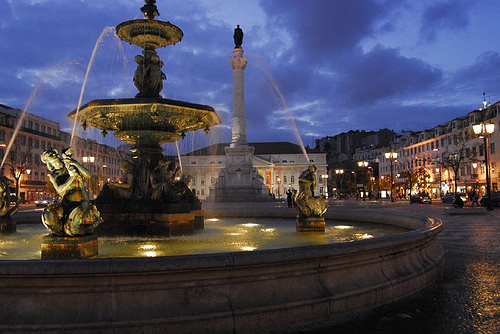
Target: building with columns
{"type": "Point", "coordinates": [279, 164]}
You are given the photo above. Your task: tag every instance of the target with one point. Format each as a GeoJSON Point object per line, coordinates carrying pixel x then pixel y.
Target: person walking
{"type": "Point", "coordinates": [474, 198]}
{"type": "Point", "coordinates": [289, 196]}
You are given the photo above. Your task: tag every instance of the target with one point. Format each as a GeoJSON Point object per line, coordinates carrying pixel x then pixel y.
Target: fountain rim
{"type": "Point", "coordinates": [108, 266]}
{"type": "Point", "coordinates": [141, 101]}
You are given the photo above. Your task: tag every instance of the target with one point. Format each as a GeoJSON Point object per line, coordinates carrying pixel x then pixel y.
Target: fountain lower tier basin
{"type": "Point", "coordinates": [147, 119]}
{"type": "Point", "coordinates": [236, 292]}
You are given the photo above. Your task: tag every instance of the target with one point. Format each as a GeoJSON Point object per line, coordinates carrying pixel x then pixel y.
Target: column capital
{"type": "Point", "coordinates": [238, 61]}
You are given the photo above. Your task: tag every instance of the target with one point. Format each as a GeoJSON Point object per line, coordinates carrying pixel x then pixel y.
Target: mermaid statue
{"type": "Point", "coordinates": [71, 214]}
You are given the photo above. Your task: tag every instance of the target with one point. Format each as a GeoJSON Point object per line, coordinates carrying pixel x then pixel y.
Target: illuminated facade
{"type": "Point", "coordinates": [37, 134]}
{"type": "Point", "coordinates": [279, 164]}
{"type": "Point", "coordinates": [451, 153]}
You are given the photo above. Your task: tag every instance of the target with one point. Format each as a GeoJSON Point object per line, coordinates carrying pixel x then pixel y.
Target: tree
{"type": "Point", "coordinates": [422, 178]}
{"type": "Point", "coordinates": [19, 161]}
{"type": "Point", "coordinates": [454, 160]}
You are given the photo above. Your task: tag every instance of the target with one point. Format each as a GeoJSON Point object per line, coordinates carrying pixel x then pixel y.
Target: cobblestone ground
{"type": "Point", "coordinates": [466, 299]}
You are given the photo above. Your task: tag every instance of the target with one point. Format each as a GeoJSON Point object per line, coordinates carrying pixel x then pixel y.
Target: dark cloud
{"type": "Point", "coordinates": [312, 52]}
{"type": "Point", "coordinates": [384, 73]}
{"type": "Point", "coordinates": [323, 26]}
{"type": "Point", "coordinates": [451, 15]}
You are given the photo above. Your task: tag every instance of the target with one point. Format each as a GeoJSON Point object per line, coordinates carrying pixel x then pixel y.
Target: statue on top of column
{"type": "Point", "coordinates": [238, 37]}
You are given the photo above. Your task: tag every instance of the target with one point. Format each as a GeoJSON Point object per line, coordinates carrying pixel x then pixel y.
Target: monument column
{"type": "Point", "coordinates": [239, 126]}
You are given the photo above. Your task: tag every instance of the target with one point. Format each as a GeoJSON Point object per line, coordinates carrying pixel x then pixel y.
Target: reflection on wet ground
{"type": "Point", "coordinates": [466, 299]}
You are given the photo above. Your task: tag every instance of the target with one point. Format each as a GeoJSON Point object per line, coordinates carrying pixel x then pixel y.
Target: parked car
{"type": "Point", "coordinates": [421, 198]}
{"type": "Point", "coordinates": [449, 198]}
{"type": "Point", "coordinates": [495, 199]}
{"type": "Point", "coordinates": [44, 201]}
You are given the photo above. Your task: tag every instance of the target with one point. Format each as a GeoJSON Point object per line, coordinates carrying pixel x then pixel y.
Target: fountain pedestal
{"type": "Point", "coordinates": [54, 247]}
{"type": "Point", "coordinates": [310, 224]}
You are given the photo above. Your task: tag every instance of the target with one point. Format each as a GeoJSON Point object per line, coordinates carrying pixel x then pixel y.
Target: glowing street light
{"type": "Point", "coordinates": [485, 130]}
{"type": "Point", "coordinates": [392, 156]}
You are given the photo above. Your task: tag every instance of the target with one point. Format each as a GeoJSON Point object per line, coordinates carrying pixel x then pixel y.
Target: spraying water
{"type": "Point", "coordinates": [20, 121]}
{"type": "Point", "coordinates": [283, 102]}
{"type": "Point", "coordinates": [105, 31]}
{"type": "Point", "coordinates": [179, 156]}
{"type": "Point", "coordinates": [28, 105]}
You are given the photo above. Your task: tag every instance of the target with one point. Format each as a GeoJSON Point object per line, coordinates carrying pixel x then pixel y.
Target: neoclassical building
{"type": "Point", "coordinates": [278, 163]}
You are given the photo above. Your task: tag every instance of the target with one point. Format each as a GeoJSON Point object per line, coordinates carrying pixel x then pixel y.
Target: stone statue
{"type": "Point", "coordinates": [71, 214]}
{"type": "Point", "coordinates": [114, 191]}
{"type": "Point", "coordinates": [6, 210]}
{"type": "Point", "coordinates": [139, 74]}
{"type": "Point", "coordinates": [307, 205]}
{"type": "Point", "coordinates": [148, 76]}
{"type": "Point", "coordinates": [238, 37]}
{"type": "Point", "coordinates": [155, 76]}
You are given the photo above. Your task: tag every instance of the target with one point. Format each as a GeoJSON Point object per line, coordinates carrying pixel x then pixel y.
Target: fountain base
{"type": "Point", "coordinates": [151, 223]}
{"type": "Point", "coordinates": [310, 224]}
{"type": "Point", "coordinates": [55, 248]}
{"type": "Point", "coordinates": [7, 225]}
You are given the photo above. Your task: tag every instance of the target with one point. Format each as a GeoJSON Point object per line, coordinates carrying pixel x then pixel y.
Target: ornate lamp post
{"type": "Point", "coordinates": [363, 164]}
{"type": "Point", "coordinates": [485, 130]}
{"type": "Point", "coordinates": [392, 156]}
{"type": "Point", "coordinates": [324, 178]}
{"type": "Point", "coordinates": [438, 170]}
{"type": "Point", "coordinates": [339, 173]}
{"type": "Point", "coordinates": [278, 180]}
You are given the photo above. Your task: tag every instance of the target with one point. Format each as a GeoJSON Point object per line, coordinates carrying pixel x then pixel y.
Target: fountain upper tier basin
{"type": "Point", "coordinates": [239, 292]}
{"type": "Point", "coordinates": [149, 32]}
{"type": "Point", "coordinates": [151, 119]}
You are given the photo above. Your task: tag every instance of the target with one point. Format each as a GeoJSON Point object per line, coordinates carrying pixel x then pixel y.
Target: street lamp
{"type": "Point", "coordinates": [339, 173]}
{"type": "Point", "coordinates": [278, 180]}
{"type": "Point", "coordinates": [90, 159]}
{"type": "Point", "coordinates": [363, 164]}
{"type": "Point", "coordinates": [439, 169]}
{"type": "Point", "coordinates": [392, 156]}
{"type": "Point", "coordinates": [324, 177]}
{"type": "Point", "coordinates": [485, 130]}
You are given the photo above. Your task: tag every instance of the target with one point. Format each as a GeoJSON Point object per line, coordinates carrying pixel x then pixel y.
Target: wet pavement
{"type": "Point", "coordinates": [466, 299]}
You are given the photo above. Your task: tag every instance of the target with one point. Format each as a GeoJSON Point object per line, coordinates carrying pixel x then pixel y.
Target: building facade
{"type": "Point", "coordinates": [278, 163]}
{"type": "Point", "coordinates": [36, 134]}
{"type": "Point", "coordinates": [451, 153]}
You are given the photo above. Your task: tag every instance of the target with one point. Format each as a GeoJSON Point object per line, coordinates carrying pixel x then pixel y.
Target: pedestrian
{"type": "Point", "coordinates": [474, 198]}
{"type": "Point", "coordinates": [289, 196]}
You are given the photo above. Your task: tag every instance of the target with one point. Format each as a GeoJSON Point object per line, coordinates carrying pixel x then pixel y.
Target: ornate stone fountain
{"type": "Point", "coordinates": [155, 195]}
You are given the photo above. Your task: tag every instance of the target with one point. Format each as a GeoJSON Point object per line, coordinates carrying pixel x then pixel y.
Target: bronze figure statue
{"type": "Point", "coordinates": [238, 37]}
{"type": "Point", "coordinates": [307, 205]}
{"type": "Point", "coordinates": [71, 214]}
{"type": "Point", "coordinates": [6, 210]}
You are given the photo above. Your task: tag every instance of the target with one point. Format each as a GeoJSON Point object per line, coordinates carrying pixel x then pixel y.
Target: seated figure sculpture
{"type": "Point", "coordinates": [71, 214]}
{"type": "Point", "coordinates": [307, 205]}
{"type": "Point", "coordinates": [6, 210]}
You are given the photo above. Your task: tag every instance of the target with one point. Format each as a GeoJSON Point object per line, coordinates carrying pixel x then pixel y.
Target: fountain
{"type": "Point", "coordinates": [290, 287]}
{"type": "Point", "coordinates": [156, 198]}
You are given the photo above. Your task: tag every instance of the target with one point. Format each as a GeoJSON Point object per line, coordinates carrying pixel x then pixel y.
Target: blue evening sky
{"type": "Point", "coordinates": [339, 65]}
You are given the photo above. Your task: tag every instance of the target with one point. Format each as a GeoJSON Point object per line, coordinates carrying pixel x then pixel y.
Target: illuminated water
{"type": "Point", "coordinates": [219, 236]}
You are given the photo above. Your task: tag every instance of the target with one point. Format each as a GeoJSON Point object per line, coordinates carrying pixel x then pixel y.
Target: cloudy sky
{"type": "Point", "coordinates": [338, 65]}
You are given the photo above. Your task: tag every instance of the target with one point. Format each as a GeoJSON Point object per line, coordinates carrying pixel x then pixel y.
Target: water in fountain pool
{"type": "Point", "coordinates": [219, 236]}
